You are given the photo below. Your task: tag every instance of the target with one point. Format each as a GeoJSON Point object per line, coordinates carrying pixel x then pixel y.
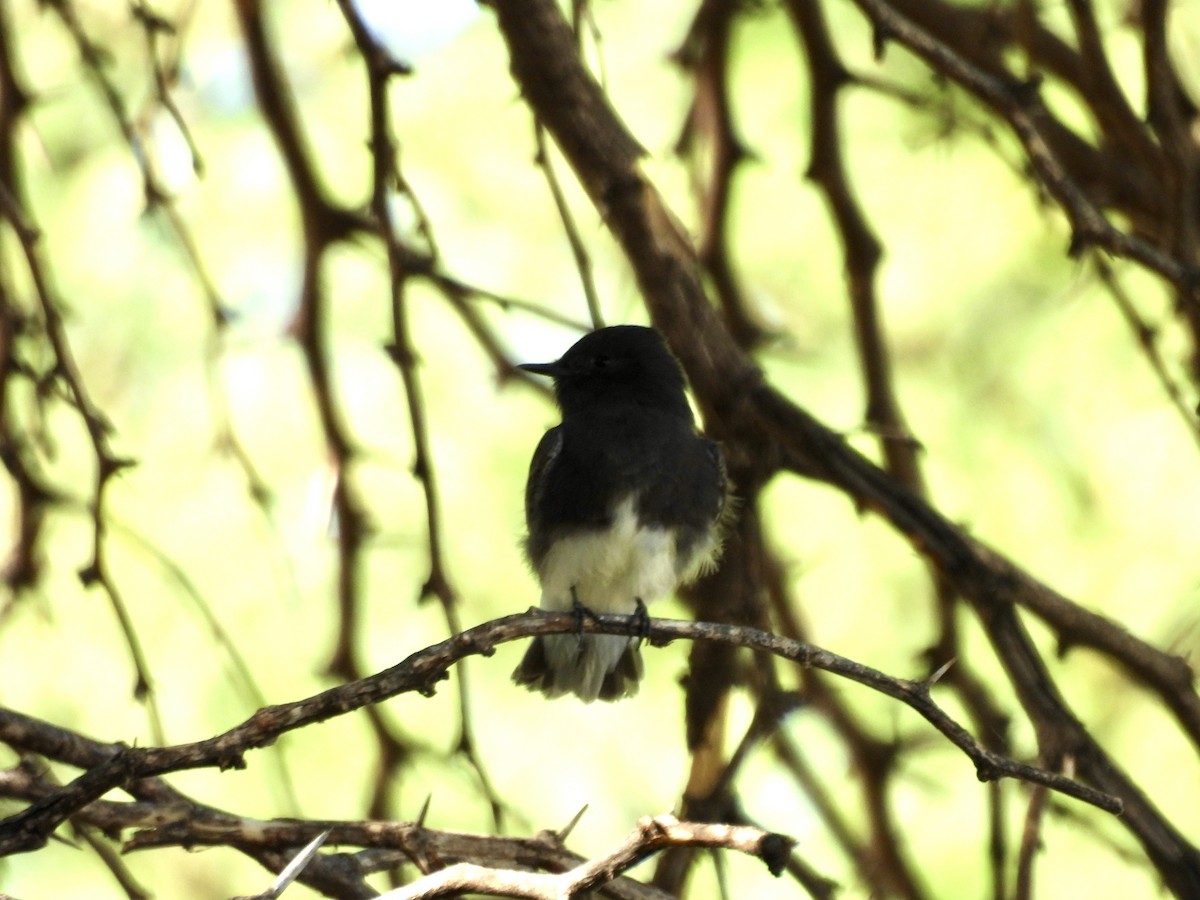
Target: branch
{"type": "Point", "coordinates": [718, 153]}
{"type": "Point", "coordinates": [166, 818]}
{"type": "Point", "coordinates": [579, 252]}
{"type": "Point", "coordinates": [759, 423]}
{"type": "Point", "coordinates": [421, 672]}
{"type": "Point", "coordinates": [1020, 105]}
{"type": "Point", "coordinates": [651, 836]}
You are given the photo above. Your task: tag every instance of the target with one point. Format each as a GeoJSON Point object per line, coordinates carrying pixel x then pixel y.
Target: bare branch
{"type": "Point", "coordinates": [651, 836]}
{"type": "Point", "coordinates": [422, 671]}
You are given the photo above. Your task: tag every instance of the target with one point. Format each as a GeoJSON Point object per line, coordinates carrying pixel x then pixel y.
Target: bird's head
{"type": "Point", "coordinates": [619, 364]}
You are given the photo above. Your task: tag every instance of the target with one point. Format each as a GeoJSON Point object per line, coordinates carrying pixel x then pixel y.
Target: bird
{"type": "Point", "coordinates": [624, 502]}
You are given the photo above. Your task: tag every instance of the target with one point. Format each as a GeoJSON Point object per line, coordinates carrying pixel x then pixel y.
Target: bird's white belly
{"type": "Point", "coordinates": [610, 570]}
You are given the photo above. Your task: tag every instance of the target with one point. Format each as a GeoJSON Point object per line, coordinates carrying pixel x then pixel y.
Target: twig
{"type": "Point", "coordinates": [248, 685]}
{"type": "Point", "coordinates": [730, 390]}
{"type": "Point", "coordinates": [422, 671]}
{"type": "Point", "coordinates": [1147, 340]}
{"type": "Point", "coordinates": [899, 448]}
{"type": "Point", "coordinates": [114, 862]}
{"type": "Point", "coordinates": [1020, 105]}
{"type": "Point", "coordinates": [169, 818]}
{"type": "Point", "coordinates": [65, 372]}
{"type": "Point", "coordinates": [706, 54]}
{"type": "Point", "coordinates": [651, 836]}
{"type": "Point", "coordinates": [380, 67]}
{"type": "Point", "coordinates": [583, 262]}
{"type": "Point", "coordinates": [1031, 843]}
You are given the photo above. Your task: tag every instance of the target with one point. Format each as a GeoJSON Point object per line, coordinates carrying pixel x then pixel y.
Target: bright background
{"type": "Point", "coordinates": [1045, 435]}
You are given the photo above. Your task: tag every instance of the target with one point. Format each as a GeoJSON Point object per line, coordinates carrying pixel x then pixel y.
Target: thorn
{"type": "Point", "coordinates": [879, 38]}
{"type": "Point", "coordinates": [90, 574]}
{"type": "Point", "coordinates": [152, 21]}
{"type": "Point", "coordinates": [395, 66]}
{"type": "Point", "coordinates": [1080, 240]}
{"type": "Point", "coordinates": [570, 826]}
{"type": "Point", "coordinates": [420, 823]}
{"type": "Point", "coordinates": [940, 671]}
{"type": "Point", "coordinates": [400, 355]}
{"type": "Point", "coordinates": [114, 465]}
{"type": "Point", "coordinates": [299, 861]}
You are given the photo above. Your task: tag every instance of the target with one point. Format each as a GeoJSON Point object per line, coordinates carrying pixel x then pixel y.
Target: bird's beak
{"type": "Point", "coordinates": [552, 368]}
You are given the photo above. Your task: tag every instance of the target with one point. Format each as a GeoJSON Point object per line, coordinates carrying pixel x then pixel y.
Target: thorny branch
{"type": "Point", "coordinates": [781, 435]}
{"type": "Point", "coordinates": [829, 80]}
{"type": "Point", "coordinates": [172, 819]}
{"type": "Point", "coordinates": [651, 836]}
{"type": "Point", "coordinates": [61, 381]}
{"type": "Point", "coordinates": [421, 673]}
{"type": "Point", "coordinates": [386, 177]}
{"type": "Point", "coordinates": [710, 135]}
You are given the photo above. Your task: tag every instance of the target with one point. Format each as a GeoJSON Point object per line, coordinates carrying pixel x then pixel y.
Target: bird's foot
{"type": "Point", "coordinates": [641, 618]}
{"type": "Point", "coordinates": [581, 614]}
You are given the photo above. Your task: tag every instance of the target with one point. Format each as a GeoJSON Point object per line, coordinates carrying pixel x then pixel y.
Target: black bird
{"type": "Point", "coordinates": [624, 503]}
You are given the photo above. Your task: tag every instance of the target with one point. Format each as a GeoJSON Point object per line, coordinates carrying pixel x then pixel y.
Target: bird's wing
{"type": "Point", "coordinates": [539, 467]}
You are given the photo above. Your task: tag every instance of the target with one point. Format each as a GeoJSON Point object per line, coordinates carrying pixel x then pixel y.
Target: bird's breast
{"type": "Point", "coordinates": [612, 567]}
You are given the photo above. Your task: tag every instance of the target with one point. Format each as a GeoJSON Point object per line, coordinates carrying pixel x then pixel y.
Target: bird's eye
{"type": "Point", "coordinates": [601, 361]}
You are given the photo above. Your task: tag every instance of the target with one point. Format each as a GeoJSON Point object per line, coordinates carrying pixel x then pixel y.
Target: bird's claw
{"type": "Point", "coordinates": [642, 619]}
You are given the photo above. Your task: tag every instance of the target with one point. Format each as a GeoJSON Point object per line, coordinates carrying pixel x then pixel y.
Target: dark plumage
{"type": "Point", "coordinates": [622, 503]}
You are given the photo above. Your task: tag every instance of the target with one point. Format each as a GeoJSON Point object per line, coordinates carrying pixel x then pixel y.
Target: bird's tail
{"type": "Point", "coordinates": [590, 666]}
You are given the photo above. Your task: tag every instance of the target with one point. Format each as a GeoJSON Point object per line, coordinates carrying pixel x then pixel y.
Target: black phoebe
{"type": "Point", "coordinates": [623, 503]}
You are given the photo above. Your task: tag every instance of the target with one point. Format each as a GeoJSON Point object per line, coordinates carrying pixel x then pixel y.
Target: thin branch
{"type": "Point", "coordinates": [731, 391]}
{"type": "Point", "coordinates": [862, 254]}
{"type": "Point", "coordinates": [65, 372]}
{"type": "Point", "coordinates": [421, 673]}
{"type": "Point", "coordinates": [1031, 844]}
{"type": "Point", "coordinates": [168, 818]}
{"type": "Point", "coordinates": [1021, 107]}
{"type": "Point", "coordinates": [861, 248]}
{"type": "Point", "coordinates": [583, 261]}
{"type": "Point", "coordinates": [380, 66]}
{"type": "Point", "coordinates": [883, 859]}
{"type": "Point", "coordinates": [1147, 340]}
{"type": "Point", "coordinates": [114, 862]}
{"type": "Point", "coordinates": [651, 836]}
{"type": "Point", "coordinates": [718, 154]}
